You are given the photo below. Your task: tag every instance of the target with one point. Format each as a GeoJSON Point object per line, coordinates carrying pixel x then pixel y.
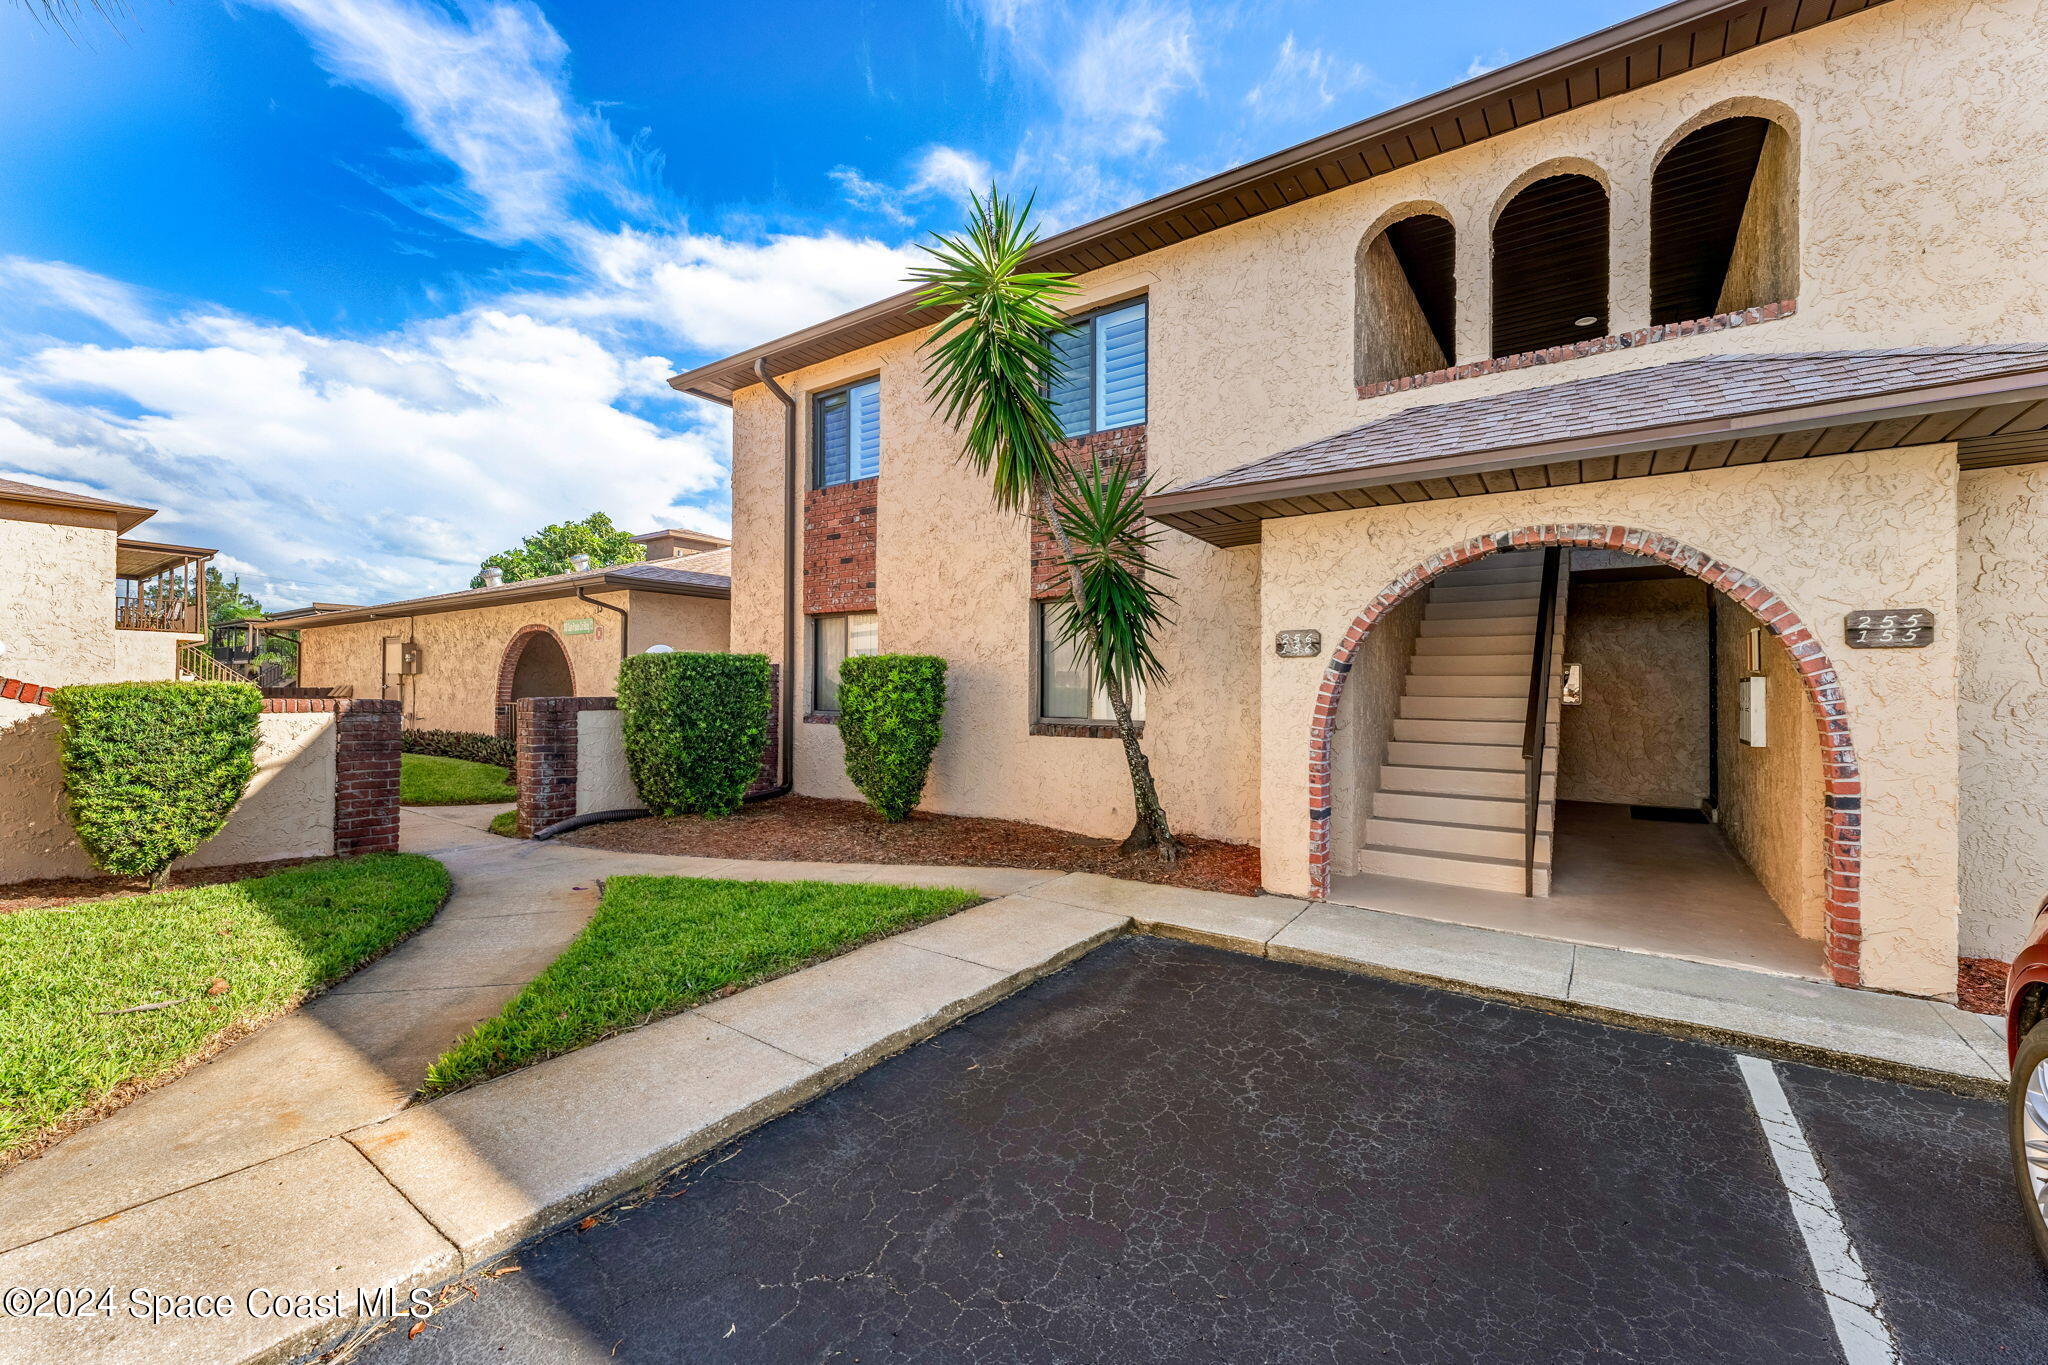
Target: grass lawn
{"type": "Point", "coordinates": [661, 944]}
{"type": "Point", "coordinates": [229, 956]}
{"type": "Point", "coordinates": [506, 822]}
{"type": "Point", "coordinates": [424, 780]}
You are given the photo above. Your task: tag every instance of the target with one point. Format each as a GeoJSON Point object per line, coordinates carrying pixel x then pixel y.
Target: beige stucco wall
{"type": "Point", "coordinates": [147, 655]}
{"type": "Point", "coordinates": [57, 595]}
{"type": "Point", "coordinates": [1640, 736]}
{"type": "Point", "coordinates": [1826, 534]}
{"type": "Point", "coordinates": [461, 651]}
{"type": "Point", "coordinates": [1365, 722]}
{"type": "Point", "coordinates": [1772, 809]}
{"type": "Point", "coordinates": [2002, 632]}
{"type": "Point", "coordinates": [287, 811]}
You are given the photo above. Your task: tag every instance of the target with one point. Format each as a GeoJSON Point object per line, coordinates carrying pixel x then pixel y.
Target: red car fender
{"type": "Point", "coordinates": [2029, 971]}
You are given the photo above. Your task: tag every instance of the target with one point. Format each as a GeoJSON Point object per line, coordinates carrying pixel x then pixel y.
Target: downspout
{"type": "Point", "coordinates": [625, 621]}
{"type": "Point", "coordinates": [786, 743]}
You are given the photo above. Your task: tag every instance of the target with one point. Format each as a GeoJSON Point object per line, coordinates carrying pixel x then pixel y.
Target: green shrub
{"type": "Point", "coordinates": [153, 768]}
{"type": "Point", "coordinates": [466, 745]}
{"type": "Point", "coordinates": [890, 709]}
{"type": "Point", "coordinates": [694, 727]}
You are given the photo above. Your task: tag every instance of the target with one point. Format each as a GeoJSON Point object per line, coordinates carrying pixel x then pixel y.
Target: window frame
{"type": "Point", "coordinates": [815, 644]}
{"type": "Point", "coordinates": [1073, 727]}
{"type": "Point", "coordinates": [817, 442]}
{"type": "Point", "coordinates": [1089, 321]}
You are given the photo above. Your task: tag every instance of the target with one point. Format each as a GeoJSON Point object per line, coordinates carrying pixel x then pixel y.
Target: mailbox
{"type": "Point", "coordinates": [1749, 712]}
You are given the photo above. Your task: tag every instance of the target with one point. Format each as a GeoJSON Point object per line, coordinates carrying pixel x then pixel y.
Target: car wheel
{"type": "Point", "coordinates": [2027, 1131]}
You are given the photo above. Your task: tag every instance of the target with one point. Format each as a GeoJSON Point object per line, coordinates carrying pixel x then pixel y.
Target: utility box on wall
{"type": "Point", "coordinates": [1749, 712]}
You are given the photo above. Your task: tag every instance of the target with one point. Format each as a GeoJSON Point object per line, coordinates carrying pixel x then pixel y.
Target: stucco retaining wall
{"type": "Point", "coordinates": [1824, 534]}
{"type": "Point", "coordinates": [287, 811]}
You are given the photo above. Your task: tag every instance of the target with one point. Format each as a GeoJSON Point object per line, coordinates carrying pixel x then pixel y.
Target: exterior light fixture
{"type": "Point", "coordinates": [1584, 322]}
{"type": "Point", "coordinates": [659, 649]}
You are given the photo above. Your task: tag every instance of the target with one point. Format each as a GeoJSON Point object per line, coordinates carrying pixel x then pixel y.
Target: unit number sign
{"type": "Point", "coordinates": [1891, 628]}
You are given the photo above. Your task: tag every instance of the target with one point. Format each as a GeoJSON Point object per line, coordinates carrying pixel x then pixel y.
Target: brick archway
{"type": "Point", "coordinates": [508, 670]}
{"type": "Point", "coordinates": [1842, 777]}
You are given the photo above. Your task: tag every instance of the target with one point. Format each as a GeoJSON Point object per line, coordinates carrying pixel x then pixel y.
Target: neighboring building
{"type": "Point", "coordinates": [81, 602]}
{"type": "Point", "coordinates": [1741, 305]}
{"type": "Point", "coordinates": [460, 660]}
{"type": "Point", "coordinates": [241, 642]}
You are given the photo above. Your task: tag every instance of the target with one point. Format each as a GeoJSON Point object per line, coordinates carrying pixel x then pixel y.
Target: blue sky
{"type": "Point", "coordinates": [362, 290]}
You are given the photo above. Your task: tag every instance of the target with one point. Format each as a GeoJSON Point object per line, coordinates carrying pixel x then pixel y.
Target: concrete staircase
{"type": "Point", "coordinates": [1450, 803]}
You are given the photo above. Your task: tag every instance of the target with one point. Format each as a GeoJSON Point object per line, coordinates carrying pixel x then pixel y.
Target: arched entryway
{"type": "Point", "coordinates": [535, 664]}
{"type": "Point", "coordinates": [1839, 773]}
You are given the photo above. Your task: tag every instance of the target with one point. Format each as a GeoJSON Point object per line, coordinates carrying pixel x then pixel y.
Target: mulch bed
{"type": "Point", "coordinates": [1980, 985]}
{"type": "Point", "coordinates": [809, 829]}
{"type": "Point", "coordinates": [50, 891]}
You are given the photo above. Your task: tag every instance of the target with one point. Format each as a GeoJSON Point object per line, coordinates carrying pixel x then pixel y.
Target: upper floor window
{"type": "Point", "coordinates": [846, 434]}
{"type": "Point", "coordinates": [1100, 383]}
{"type": "Point", "coordinates": [1550, 265]}
{"type": "Point", "coordinates": [1724, 231]}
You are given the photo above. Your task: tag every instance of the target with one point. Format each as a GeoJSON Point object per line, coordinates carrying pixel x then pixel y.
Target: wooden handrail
{"type": "Point", "coordinates": [195, 660]}
{"type": "Point", "coordinates": [1536, 724]}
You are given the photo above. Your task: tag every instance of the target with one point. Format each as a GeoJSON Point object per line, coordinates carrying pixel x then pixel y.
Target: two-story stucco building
{"type": "Point", "coordinates": [1614, 478]}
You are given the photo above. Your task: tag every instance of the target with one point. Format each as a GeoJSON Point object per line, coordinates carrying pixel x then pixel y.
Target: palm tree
{"type": "Point", "coordinates": [988, 365]}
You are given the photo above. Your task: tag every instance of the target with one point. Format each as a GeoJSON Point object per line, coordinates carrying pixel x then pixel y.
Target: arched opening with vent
{"type": "Point", "coordinates": [1723, 221]}
{"type": "Point", "coordinates": [1407, 299]}
{"type": "Point", "coordinates": [1550, 265]}
{"type": "Point", "coordinates": [535, 664]}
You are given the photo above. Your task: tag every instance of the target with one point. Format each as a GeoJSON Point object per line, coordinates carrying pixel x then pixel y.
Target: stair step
{"type": "Point", "coordinates": [1489, 570]}
{"type": "Point", "coordinates": [1522, 646]}
{"type": "Point", "coordinates": [1505, 665]}
{"type": "Point", "coordinates": [1463, 731]}
{"type": "Point", "coordinates": [1491, 757]}
{"type": "Point", "coordinates": [1469, 685]}
{"type": "Point", "coordinates": [1434, 625]}
{"type": "Point", "coordinates": [1474, 841]}
{"type": "Point", "coordinates": [1475, 591]}
{"type": "Point", "coordinates": [1460, 782]}
{"type": "Point", "coordinates": [1464, 708]}
{"type": "Point", "coordinates": [1520, 608]}
{"type": "Point", "coordinates": [1480, 874]}
{"type": "Point", "coordinates": [1485, 812]}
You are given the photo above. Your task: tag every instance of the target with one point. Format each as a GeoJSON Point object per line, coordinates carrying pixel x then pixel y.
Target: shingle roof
{"type": "Point", "coordinates": [1611, 406]}
{"type": "Point", "coordinates": [127, 515]}
{"type": "Point", "coordinates": [643, 577]}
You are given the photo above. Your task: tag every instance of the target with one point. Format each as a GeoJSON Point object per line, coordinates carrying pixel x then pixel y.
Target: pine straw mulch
{"type": "Point", "coordinates": [810, 829]}
{"type": "Point", "coordinates": [1980, 984]}
{"type": "Point", "coordinates": [54, 891]}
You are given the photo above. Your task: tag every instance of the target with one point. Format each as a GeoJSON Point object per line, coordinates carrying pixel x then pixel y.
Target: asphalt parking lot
{"type": "Point", "coordinates": [1168, 1153]}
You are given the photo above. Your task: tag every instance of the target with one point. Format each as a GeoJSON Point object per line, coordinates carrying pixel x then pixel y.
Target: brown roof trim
{"type": "Point", "coordinates": [127, 515]}
{"type": "Point", "coordinates": [537, 590]}
{"type": "Point", "coordinates": [1249, 501]}
{"type": "Point", "coordinates": [1628, 56]}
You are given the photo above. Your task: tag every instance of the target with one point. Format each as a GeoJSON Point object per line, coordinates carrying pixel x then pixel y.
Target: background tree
{"type": "Point", "coordinates": [225, 600]}
{"type": "Point", "coordinates": [988, 365]}
{"type": "Point", "coordinates": [547, 550]}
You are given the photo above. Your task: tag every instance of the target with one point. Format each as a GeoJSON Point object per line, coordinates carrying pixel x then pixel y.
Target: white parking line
{"type": "Point", "coordinates": [1852, 1300]}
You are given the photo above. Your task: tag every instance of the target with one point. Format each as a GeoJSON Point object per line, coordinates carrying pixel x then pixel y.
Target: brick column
{"type": "Point", "coordinates": [544, 757]}
{"type": "Point", "coordinates": [366, 733]}
{"type": "Point", "coordinates": [771, 754]}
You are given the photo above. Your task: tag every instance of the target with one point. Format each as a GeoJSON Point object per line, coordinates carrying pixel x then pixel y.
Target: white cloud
{"type": "Point", "coordinates": [1302, 84]}
{"type": "Point", "coordinates": [360, 470]}
{"type": "Point", "coordinates": [1482, 63]}
{"type": "Point", "coordinates": [939, 172]}
{"type": "Point", "coordinates": [1124, 68]}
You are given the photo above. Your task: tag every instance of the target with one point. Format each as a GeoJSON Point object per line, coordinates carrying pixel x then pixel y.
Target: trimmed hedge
{"type": "Point", "coordinates": [153, 768]}
{"type": "Point", "coordinates": [890, 711]}
{"type": "Point", "coordinates": [694, 727]}
{"type": "Point", "coordinates": [463, 744]}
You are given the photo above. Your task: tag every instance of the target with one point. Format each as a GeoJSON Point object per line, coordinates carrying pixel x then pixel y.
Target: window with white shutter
{"type": "Point", "coordinates": [846, 434]}
{"type": "Point", "coordinates": [1099, 379]}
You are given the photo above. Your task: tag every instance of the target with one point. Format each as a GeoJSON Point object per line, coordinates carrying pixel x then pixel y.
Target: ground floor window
{"type": "Point", "coordinates": [834, 640]}
{"type": "Point", "coordinates": [1065, 691]}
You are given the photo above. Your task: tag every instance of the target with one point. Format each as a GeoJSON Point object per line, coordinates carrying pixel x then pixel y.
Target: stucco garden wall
{"type": "Point", "coordinates": [603, 782]}
{"type": "Point", "coordinates": [287, 811]}
{"type": "Point", "coordinates": [1827, 535]}
{"type": "Point", "coordinates": [147, 655]}
{"type": "Point", "coordinates": [2002, 570]}
{"type": "Point", "coordinates": [461, 651]}
{"type": "Point", "coordinates": [57, 595]}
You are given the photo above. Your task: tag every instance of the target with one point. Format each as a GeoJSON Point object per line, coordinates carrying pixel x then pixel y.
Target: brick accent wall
{"type": "Point", "coordinates": [1843, 777]}
{"type": "Point", "coordinates": [1621, 341]}
{"type": "Point", "coordinates": [366, 736]}
{"type": "Point", "coordinates": [508, 672]}
{"type": "Point", "coordinates": [1126, 444]}
{"type": "Point", "coordinates": [14, 689]}
{"type": "Point", "coordinates": [839, 548]}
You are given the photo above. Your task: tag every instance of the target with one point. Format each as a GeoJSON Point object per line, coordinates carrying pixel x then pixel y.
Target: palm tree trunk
{"type": "Point", "coordinates": [1149, 829]}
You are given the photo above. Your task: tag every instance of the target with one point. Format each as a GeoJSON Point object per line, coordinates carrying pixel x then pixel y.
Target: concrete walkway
{"type": "Point", "coordinates": [292, 1161]}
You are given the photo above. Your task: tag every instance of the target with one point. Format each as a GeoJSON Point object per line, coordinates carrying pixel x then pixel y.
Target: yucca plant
{"type": "Point", "coordinates": [987, 364]}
